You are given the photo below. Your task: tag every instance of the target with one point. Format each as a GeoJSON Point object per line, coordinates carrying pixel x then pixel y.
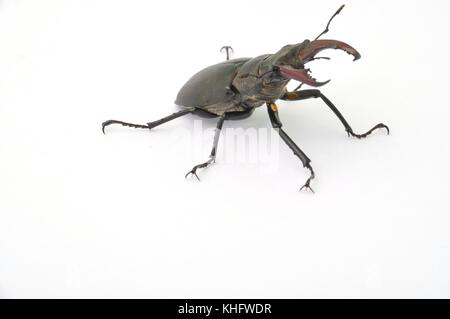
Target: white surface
{"type": "Point", "coordinates": [88, 215]}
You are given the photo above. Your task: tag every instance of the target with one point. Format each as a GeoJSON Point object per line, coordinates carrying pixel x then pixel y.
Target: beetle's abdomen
{"type": "Point", "coordinates": [210, 86]}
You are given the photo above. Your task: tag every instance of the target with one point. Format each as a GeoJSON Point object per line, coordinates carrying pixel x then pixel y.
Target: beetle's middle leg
{"type": "Point", "coordinates": [307, 94]}
{"type": "Point", "coordinates": [212, 156]}
{"type": "Point", "coordinates": [276, 124]}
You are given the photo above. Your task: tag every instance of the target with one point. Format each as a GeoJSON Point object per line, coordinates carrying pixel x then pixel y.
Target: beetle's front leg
{"type": "Point", "coordinates": [276, 124]}
{"type": "Point", "coordinates": [308, 94]}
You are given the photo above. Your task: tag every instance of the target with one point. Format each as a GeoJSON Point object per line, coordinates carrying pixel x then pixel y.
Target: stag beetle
{"type": "Point", "coordinates": [231, 90]}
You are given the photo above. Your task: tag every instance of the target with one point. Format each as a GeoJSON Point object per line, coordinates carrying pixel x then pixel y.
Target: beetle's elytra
{"type": "Point", "coordinates": [231, 90]}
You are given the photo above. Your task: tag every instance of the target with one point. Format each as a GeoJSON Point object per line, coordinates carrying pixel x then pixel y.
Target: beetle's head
{"type": "Point", "coordinates": [290, 61]}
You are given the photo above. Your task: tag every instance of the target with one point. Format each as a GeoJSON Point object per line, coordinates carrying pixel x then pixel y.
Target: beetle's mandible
{"type": "Point", "coordinates": [231, 90]}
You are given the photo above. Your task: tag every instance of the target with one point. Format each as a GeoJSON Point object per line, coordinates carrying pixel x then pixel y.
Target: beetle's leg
{"type": "Point", "coordinates": [149, 125]}
{"type": "Point", "coordinates": [307, 94]}
{"type": "Point", "coordinates": [227, 49]}
{"type": "Point", "coordinates": [212, 156]}
{"type": "Point", "coordinates": [276, 124]}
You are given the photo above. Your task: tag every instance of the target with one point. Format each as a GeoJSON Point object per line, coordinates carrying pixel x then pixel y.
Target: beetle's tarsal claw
{"type": "Point", "coordinates": [376, 127]}
{"type": "Point", "coordinates": [193, 171]}
{"type": "Point", "coordinates": [227, 48]}
{"type": "Point", "coordinates": [105, 124]}
{"type": "Point", "coordinates": [308, 182]}
{"type": "Point", "coordinates": [306, 187]}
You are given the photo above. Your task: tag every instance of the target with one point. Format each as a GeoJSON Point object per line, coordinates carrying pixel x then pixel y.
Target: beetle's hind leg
{"type": "Point", "coordinates": [227, 48]}
{"type": "Point", "coordinates": [109, 122]}
{"type": "Point", "coordinates": [308, 94]}
{"type": "Point", "coordinates": [212, 156]}
{"type": "Point", "coordinates": [149, 125]}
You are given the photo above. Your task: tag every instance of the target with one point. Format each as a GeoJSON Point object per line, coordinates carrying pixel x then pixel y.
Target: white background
{"type": "Point", "coordinates": [84, 214]}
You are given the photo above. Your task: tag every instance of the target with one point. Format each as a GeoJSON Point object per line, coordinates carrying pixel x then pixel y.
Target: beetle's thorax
{"type": "Point", "coordinates": [257, 84]}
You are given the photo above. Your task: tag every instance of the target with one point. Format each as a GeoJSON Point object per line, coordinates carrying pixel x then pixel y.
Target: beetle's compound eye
{"type": "Point", "coordinates": [275, 69]}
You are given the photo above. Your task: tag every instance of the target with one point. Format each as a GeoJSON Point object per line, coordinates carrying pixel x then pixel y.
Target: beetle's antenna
{"type": "Point", "coordinates": [328, 25]}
